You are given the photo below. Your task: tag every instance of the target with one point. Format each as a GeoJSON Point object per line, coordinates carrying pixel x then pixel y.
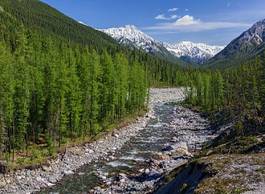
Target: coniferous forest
{"type": "Point", "coordinates": [63, 83]}
{"type": "Point", "coordinates": [234, 94]}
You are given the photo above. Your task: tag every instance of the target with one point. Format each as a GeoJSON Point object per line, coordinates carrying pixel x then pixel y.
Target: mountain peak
{"type": "Point", "coordinates": [132, 36]}
{"type": "Point", "coordinates": [131, 27]}
{"type": "Point", "coordinates": [193, 52]}
{"type": "Point", "coordinates": [247, 45]}
{"type": "Point", "coordinates": [129, 32]}
{"type": "Point", "coordinates": [189, 51]}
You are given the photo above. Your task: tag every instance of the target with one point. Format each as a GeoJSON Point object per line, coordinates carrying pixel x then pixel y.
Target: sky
{"type": "Point", "coordinates": [215, 22]}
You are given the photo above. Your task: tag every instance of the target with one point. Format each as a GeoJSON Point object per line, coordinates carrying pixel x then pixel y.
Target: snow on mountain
{"type": "Point", "coordinates": [130, 35]}
{"type": "Point", "coordinates": [194, 52]}
{"type": "Point", "coordinates": [188, 51]}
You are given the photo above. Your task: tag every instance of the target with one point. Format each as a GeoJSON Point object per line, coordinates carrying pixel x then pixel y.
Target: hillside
{"type": "Point", "coordinates": [44, 21]}
{"type": "Point", "coordinates": [39, 16]}
{"type": "Point", "coordinates": [248, 45]}
{"type": "Point", "coordinates": [62, 82]}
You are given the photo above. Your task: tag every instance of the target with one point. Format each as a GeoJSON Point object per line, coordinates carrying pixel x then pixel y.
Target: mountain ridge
{"type": "Point", "coordinates": [246, 46]}
{"type": "Point", "coordinates": [187, 51]}
{"type": "Point", "coordinates": [194, 52]}
{"type": "Point", "coordinates": [131, 36]}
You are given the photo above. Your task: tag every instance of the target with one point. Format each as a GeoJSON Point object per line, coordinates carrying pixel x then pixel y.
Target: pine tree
{"type": "Point", "coordinates": [107, 89]}
{"type": "Point", "coordinates": [90, 84]}
{"type": "Point", "coordinates": [6, 97]}
{"type": "Point", "coordinates": [262, 83]}
{"type": "Point", "coordinates": [199, 89]}
{"type": "Point", "coordinates": [73, 97]}
{"type": "Point", "coordinates": [206, 92]}
{"type": "Point", "coordinates": [219, 90]}
{"type": "Point", "coordinates": [22, 93]}
{"type": "Point", "coordinates": [255, 94]}
{"type": "Point", "coordinates": [121, 64]}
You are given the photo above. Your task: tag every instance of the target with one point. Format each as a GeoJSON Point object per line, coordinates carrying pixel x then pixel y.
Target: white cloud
{"type": "Point", "coordinates": [173, 9]}
{"type": "Point", "coordinates": [174, 17]}
{"type": "Point", "coordinates": [160, 17]}
{"type": "Point", "coordinates": [186, 9]}
{"type": "Point", "coordinates": [163, 17]}
{"type": "Point", "coordinates": [188, 23]}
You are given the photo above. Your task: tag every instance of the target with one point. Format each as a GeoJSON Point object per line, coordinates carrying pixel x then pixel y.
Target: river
{"type": "Point", "coordinates": [133, 159]}
{"type": "Point", "coordinates": [166, 142]}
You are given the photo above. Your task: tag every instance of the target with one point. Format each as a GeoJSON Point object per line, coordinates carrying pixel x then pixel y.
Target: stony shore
{"type": "Point", "coordinates": [190, 132]}
{"type": "Point", "coordinates": [27, 181]}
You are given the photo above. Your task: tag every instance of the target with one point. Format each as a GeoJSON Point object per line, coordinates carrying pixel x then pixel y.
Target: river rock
{"type": "Point", "coordinates": [147, 171]}
{"type": "Point", "coordinates": [183, 149]}
{"type": "Point", "coordinates": [167, 148]}
{"type": "Point", "coordinates": [174, 139]}
{"type": "Point", "coordinates": [121, 178]}
{"type": "Point", "coordinates": [115, 134]}
{"type": "Point", "coordinates": [68, 172]}
{"type": "Point", "coordinates": [52, 179]}
{"type": "Point", "coordinates": [90, 151]}
{"type": "Point", "coordinates": [161, 156]}
{"type": "Point", "coordinates": [46, 168]}
{"type": "Point", "coordinates": [141, 170]}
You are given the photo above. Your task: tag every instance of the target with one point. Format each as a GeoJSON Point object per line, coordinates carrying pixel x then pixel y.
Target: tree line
{"type": "Point", "coordinates": [51, 90]}
{"type": "Point", "coordinates": [238, 93]}
{"type": "Point", "coordinates": [62, 81]}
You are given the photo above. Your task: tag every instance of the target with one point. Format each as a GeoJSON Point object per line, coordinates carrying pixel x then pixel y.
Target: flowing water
{"type": "Point", "coordinates": [133, 157]}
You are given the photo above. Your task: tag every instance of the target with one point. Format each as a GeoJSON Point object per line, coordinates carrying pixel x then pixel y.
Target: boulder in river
{"type": "Point", "coordinates": [167, 148]}
{"type": "Point", "coordinates": [68, 172]}
{"type": "Point", "coordinates": [174, 139]}
{"type": "Point", "coordinates": [182, 149]}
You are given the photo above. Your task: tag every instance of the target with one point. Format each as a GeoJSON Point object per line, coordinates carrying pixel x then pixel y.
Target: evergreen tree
{"type": "Point", "coordinates": [121, 64]}
{"type": "Point", "coordinates": [22, 93]}
{"type": "Point", "coordinates": [6, 98]}
{"type": "Point", "coordinates": [73, 97]}
{"type": "Point", "coordinates": [107, 89]}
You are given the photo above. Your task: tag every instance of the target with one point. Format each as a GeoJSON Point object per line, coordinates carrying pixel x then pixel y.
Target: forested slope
{"type": "Point", "coordinates": [243, 48]}
{"type": "Point", "coordinates": [234, 101]}
{"type": "Point", "coordinates": [39, 16]}
{"type": "Point", "coordinates": [61, 81]}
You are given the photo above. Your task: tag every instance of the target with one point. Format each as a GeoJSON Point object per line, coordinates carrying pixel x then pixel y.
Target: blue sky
{"type": "Point", "coordinates": [208, 21]}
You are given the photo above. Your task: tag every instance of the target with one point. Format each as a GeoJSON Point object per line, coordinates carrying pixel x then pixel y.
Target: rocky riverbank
{"type": "Point", "coordinates": [25, 181]}
{"type": "Point", "coordinates": [190, 132]}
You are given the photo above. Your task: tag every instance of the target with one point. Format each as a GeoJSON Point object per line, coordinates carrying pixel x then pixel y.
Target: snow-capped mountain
{"type": "Point", "coordinates": [188, 51]}
{"type": "Point", "coordinates": [131, 35]}
{"type": "Point", "coordinates": [194, 52]}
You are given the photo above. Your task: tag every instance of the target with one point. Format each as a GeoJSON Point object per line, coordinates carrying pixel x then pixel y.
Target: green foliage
{"type": "Point", "coordinates": [235, 95]}
{"type": "Point", "coordinates": [56, 86]}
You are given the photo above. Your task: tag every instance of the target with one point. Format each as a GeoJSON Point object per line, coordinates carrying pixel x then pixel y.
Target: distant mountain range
{"type": "Point", "coordinates": [187, 51]}
{"type": "Point", "coordinates": [132, 37]}
{"type": "Point", "coordinates": [193, 52]}
{"type": "Point", "coordinates": [249, 44]}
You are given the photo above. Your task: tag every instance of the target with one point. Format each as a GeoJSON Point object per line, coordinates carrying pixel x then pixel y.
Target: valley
{"type": "Point", "coordinates": [133, 159]}
{"type": "Point", "coordinates": [143, 108]}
